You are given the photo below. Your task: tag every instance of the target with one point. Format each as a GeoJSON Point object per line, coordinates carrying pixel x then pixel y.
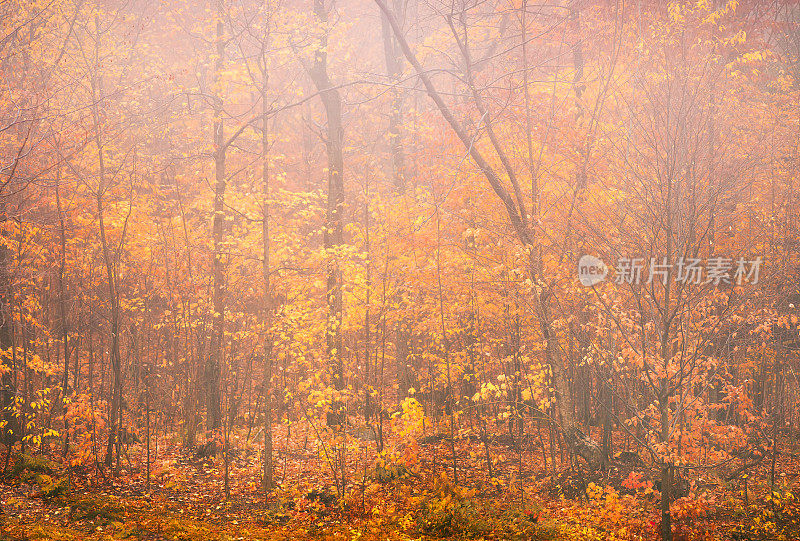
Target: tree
{"type": "Point", "coordinates": [515, 206]}
{"type": "Point", "coordinates": [334, 218]}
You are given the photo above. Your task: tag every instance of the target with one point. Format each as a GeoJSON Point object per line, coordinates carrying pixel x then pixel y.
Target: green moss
{"type": "Point", "coordinates": [54, 533]}
{"type": "Point", "coordinates": [51, 487]}
{"type": "Point", "coordinates": [29, 464]}
{"type": "Point", "coordinates": [42, 472]}
{"type": "Point", "coordinates": [464, 519]}
{"type": "Point", "coordinates": [95, 506]}
{"type": "Point", "coordinates": [188, 530]}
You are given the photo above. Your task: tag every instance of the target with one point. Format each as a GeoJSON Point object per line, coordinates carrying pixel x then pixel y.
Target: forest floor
{"type": "Point", "coordinates": [408, 493]}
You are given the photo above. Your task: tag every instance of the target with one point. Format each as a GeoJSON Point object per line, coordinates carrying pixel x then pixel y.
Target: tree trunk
{"type": "Point", "coordinates": [147, 429]}
{"type": "Point", "coordinates": [62, 309]}
{"type": "Point", "coordinates": [214, 359]}
{"type": "Point", "coordinates": [333, 237]}
{"type": "Point", "coordinates": [268, 480]}
{"type": "Point", "coordinates": [394, 70]}
{"type": "Point", "coordinates": [9, 428]}
{"type": "Point", "coordinates": [113, 293]}
{"type": "Point", "coordinates": [367, 329]}
{"type": "Point", "coordinates": [666, 516]}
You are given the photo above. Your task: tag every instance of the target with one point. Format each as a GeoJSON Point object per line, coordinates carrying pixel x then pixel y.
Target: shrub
{"type": "Point", "coordinates": [777, 520]}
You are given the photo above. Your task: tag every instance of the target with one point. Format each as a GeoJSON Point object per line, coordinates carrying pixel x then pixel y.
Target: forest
{"type": "Point", "coordinates": [400, 269]}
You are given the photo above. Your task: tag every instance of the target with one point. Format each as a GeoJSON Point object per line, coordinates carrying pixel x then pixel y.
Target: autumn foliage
{"type": "Point", "coordinates": [399, 269]}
